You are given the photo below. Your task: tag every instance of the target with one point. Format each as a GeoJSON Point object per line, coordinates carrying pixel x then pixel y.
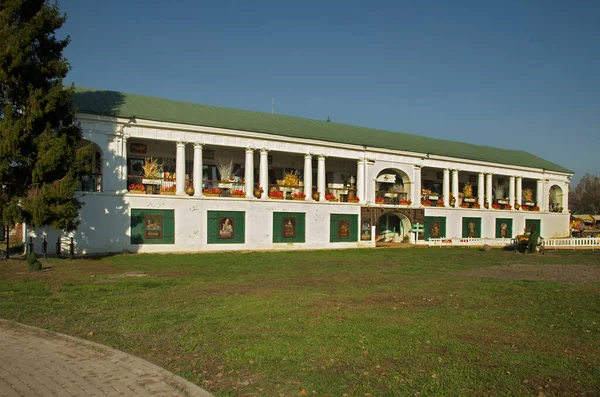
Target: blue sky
{"type": "Point", "coordinates": [512, 74]}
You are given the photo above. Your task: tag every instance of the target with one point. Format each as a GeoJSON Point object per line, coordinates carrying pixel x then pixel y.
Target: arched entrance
{"type": "Point", "coordinates": [392, 226]}
{"type": "Point", "coordinates": [555, 201]}
{"type": "Point", "coordinates": [91, 181]}
{"type": "Point", "coordinates": [392, 186]}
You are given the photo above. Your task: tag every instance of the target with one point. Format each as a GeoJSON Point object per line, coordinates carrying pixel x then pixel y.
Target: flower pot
{"type": "Point", "coordinates": [211, 194]}
{"type": "Point", "coordinates": [137, 191]}
{"type": "Point", "coordinates": [332, 200]}
{"type": "Point", "coordinates": [275, 198]}
{"type": "Point", "coordinates": [190, 190]}
{"type": "Point", "coordinates": [298, 198]}
{"type": "Point", "coordinates": [257, 193]}
{"type": "Point", "coordinates": [288, 195]}
{"type": "Point", "coordinates": [167, 193]}
{"type": "Point", "coordinates": [315, 196]}
{"type": "Point", "coordinates": [238, 196]}
{"type": "Point", "coordinates": [352, 200]}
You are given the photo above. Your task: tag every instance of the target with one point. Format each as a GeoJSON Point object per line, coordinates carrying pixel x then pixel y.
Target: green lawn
{"type": "Point", "coordinates": [376, 322]}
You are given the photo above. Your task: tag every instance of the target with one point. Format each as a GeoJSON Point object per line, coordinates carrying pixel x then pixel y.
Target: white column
{"type": "Point", "coordinates": [180, 169]}
{"type": "Point", "coordinates": [455, 187]}
{"type": "Point", "coordinates": [198, 170]}
{"type": "Point", "coordinates": [511, 191]}
{"type": "Point", "coordinates": [539, 195]}
{"type": "Point", "coordinates": [308, 176]}
{"type": "Point", "coordinates": [417, 185]}
{"type": "Point", "coordinates": [446, 187]}
{"type": "Point", "coordinates": [360, 180]}
{"type": "Point", "coordinates": [565, 198]}
{"type": "Point", "coordinates": [249, 173]}
{"type": "Point", "coordinates": [321, 177]}
{"type": "Point", "coordinates": [488, 189]}
{"type": "Point", "coordinates": [481, 189]}
{"type": "Point", "coordinates": [263, 173]}
{"type": "Point", "coordinates": [519, 189]}
{"type": "Point", "coordinates": [124, 179]}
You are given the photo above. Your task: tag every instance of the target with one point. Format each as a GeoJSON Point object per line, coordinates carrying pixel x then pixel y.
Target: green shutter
{"type": "Point", "coordinates": [427, 225]}
{"type": "Point", "coordinates": [476, 226]}
{"type": "Point", "coordinates": [334, 223]}
{"type": "Point", "coordinates": [504, 221]}
{"type": "Point", "coordinates": [137, 226]}
{"type": "Point", "coordinates": [212, 227]}
{"type": "Point", "coordinates": [300, 224]}
{"type": "Point", "coordinates": [531, 222]}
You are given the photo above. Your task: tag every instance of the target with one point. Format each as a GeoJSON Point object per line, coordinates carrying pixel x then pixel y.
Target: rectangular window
{"type": "Point", "coordinates": [289, 227]}
{"type": "Point", "coordinates": [225, 227]}
{"type": "Point", "coordinates": [434, 227]}
{"type": "Point", "coordinates": [471, 227]}
{"type": "Point", "coordinates": [343, 228]}
{"type": "Point", "coordinates": [504, 228]}
{"type": "Point", "coordinates": [150, 226]}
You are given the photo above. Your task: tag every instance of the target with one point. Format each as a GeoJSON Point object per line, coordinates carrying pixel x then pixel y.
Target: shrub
{"type": "Point", "coordinates": [32, 263]}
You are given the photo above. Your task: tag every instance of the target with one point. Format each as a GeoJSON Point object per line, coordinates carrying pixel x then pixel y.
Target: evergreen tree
{"type": "Point", "coordinates": [40, 161]}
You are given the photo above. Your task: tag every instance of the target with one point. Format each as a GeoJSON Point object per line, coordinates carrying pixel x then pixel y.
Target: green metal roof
{"type": "Point", "coordinates": [113, 103]}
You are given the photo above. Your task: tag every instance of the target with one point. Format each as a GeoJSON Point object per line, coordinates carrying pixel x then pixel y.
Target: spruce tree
{"type": "Point", "coordinates": [40, 155]}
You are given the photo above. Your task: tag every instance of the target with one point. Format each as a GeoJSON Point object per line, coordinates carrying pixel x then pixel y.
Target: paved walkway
{"type": "Point", "coordinates": [35, 362]}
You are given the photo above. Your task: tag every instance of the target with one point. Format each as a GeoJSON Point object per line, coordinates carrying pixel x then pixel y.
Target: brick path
{"type": "Point", "coordinates": [35, 362]}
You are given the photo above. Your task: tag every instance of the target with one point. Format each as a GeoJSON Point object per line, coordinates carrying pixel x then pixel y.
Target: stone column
{"type": "Point", "coordinates": [480, 189]}
{"type": "Point", "coordinates": [519, 190]}
{"type": "Point", "coordinates": [539, 195]}
{"type": "Point", "coordinates": [308, 176]}
{"type": "Point", "coordinates": [565, 198]}
{"type": "Point", "coordinates": [124, 176]}
{"type": "Point", "coordinates": [455, 187]}
{"type": "Point", "coordinates": [198, 170]}
{"type": "Point", "coordinates": [511, 191]}
{"type": "Point", "coordinates": [360, 180]}
{"type": "Point", "coordinates": [180, 170]}
{"type": "Point", "coordinates": [321, 177]}
{"type": "Point", "coordinates": [263, 173]}
{"type": "Point", "coordinates": [488, 189]}
{"type": "Point", "coordinates": [417, 185]}
{"type": "Point", "coordinates": [249, 173]}
{"type": "Point", "coordinates": [446, 187]}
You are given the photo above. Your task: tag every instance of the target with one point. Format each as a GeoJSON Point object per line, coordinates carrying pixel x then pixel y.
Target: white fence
{"type": "Point", "coordinates": [573, 242]}
{"type": "Point", "coordinates": [554, 243]}
{"type": "Point", "coordinates": [470, 242]}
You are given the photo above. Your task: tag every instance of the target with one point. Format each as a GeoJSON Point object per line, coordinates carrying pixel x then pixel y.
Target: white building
{"type": "Point", "coordinates": [381, 180]}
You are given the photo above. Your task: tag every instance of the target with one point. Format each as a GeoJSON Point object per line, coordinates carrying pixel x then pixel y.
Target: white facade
{"type": "Point", "coordinates": [106, 214]}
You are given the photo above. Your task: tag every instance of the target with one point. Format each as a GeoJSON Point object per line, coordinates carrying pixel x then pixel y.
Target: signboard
{"type": "Point", "coordinates": [153, 226]}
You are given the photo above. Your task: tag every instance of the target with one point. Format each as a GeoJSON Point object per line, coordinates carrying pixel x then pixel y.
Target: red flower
{"type": "Point", "coordinates": [299, 195]}
{"type": "Point", "coordinates": [136, 186]}
{"type": "Point", "coordinates": [212, 190]}
{"type": "Point", "coordinates": [276, 193]}
{"type": "Point", "coordinates": [238, 193]}
{"type": "Point", "coordinates": [330, 196]}
{"type": "Point", "coordinates": [379, 200]}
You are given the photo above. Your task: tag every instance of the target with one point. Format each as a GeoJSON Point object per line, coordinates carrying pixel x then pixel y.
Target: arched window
{"type": "Point", "coordinates": [92, 180]}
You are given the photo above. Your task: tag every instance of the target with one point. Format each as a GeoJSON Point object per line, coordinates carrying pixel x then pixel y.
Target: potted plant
{"type": "Point", "coordinates": [440, 203]}
{"type": "Point", "coordinates": [354, 199]}
{"type": "Point", "coordinates": [211, 192]}
{"type": "Point", "coordinates": [496, 206]}
{"type": "Point", "coordinates": [379, 200]}
{"type": "Point", "coordinates": [476, 205]}
{"type": "Point", "coordinates": [426, 202]}
{"type": "Point", "coordinates": [525, 208]}
{"type": "Point", "coordinates": [406, 202]}
{"type": "Point", "coordinates": [536, 208]}
{"type": "Point", "coordinates": [508, 207]}
{"type": "Point", "coordinates": [258, 192]}
{"type": "Point", "coordinates": [276, 195]}
{"type": "Point", "coordinates": [331, 197]}
{"type": "Point", "coordinates": [137, 188]}
{"type": "Point", "coordinates": [298, 196]}
{"type": "Point", "coordinates": [316, 196]}
{"type": "Point", "coordinates": [238, 193]}
{"type": "Point", "coordinates": [168, 190]}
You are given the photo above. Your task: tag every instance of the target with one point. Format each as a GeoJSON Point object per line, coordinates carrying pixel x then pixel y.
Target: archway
{"type": "Point", "coordinates": [92, 180]}
{"type": "Point", "coordinates": [392, 226]}
{"type": "Point", "coordinates": [555, 199]}
{"type": "Point", "coordinates": [392, 186]}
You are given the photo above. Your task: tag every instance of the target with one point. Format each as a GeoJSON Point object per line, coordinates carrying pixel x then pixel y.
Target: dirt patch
{"type": "Point", "coordinates": [579, 274]}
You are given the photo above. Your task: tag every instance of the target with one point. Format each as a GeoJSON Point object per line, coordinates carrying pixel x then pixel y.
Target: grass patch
{"type": "Point", "coordinates": [441, 322]}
